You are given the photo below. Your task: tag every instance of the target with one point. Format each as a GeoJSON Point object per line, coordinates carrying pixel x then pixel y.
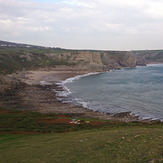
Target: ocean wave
{"type": "Point", "coordinates": [45, 82]}
{"type": "Point", "coordinates": [155, 64]}
{"type": "Point", "coordinates": [81, 102]}
{"type": "Point", "coordinates": [70, 80]}
{"type": "Point", "coordinates": [147, 117]}
{"type": "Point", "coordinates": [66, 92]}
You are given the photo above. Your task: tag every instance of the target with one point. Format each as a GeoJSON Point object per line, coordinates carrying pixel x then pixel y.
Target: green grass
{"type": "Point", "coordinates": [23, 138]}
{"type": "Point", "coordinates": [18, 121]}
{"type": "Point", "coordinates": [99, 145]}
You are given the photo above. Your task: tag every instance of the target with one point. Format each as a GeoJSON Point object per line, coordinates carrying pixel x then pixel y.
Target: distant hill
{"type": "Point", "coordinates": [18, 45]}
{"type": "Point", "coordinates": [149, 55]}
{"type": "Point", "coordinates": [14, 56]}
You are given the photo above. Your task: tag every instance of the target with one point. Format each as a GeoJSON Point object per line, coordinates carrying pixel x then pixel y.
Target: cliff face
{"type": "Point", "coordinates": [31, 59]}
{"type": "Point", "coordinates": [129, 60]}
{"type": "Point", "coordinates": [97, 61]}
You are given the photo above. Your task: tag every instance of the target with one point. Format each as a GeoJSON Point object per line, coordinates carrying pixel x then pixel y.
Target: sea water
{"type": "Point", "coordinates": [137, 90]}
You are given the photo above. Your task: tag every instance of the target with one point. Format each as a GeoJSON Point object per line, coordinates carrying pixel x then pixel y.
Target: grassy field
{"type": "Point", "coordinates": [34, 137]}
{"type": "Point", "coordinates": [125, 144]}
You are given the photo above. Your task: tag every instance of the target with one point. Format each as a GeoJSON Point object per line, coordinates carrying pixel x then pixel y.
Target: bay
{"type": "Point", "coordinates": [139, 90]}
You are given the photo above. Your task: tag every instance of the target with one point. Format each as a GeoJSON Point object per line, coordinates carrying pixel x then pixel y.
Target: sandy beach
{"type": "Point", "coordinates": [42, 98]}
{"type": "Point", "coordinates": [35, 77]}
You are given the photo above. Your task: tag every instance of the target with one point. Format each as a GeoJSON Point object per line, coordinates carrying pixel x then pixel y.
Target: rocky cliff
{"type": "Point", "coordinates": [96, 61]}
{"type": "Point", "coordinates": [31, 58]}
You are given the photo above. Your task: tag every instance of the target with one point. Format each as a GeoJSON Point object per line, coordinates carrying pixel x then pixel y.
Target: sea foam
{"type": "Point", "coordinates": [65, 92]}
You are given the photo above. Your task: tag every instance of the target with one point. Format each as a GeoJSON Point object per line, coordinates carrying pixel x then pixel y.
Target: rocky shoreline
{"type": "Point", "coordinates": [27, 93]}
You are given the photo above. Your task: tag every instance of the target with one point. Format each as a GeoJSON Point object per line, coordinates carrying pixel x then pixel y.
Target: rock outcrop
{"type": "Point", "coordinates": [96, 61]}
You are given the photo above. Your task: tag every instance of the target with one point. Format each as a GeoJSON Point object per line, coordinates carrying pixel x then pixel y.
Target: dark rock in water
{"type": "Point", "coordinates": [150, 121]}
{"type": "Point", "coordinates": [122, 114]}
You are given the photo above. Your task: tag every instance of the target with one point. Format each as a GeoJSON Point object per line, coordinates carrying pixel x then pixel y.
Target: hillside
{"type": "Point", "coordinates": [23, 139]}
{"type": "Point", "coordinates": [15, 57]}
{"type": "Point", "coordinates": [31, 57]}
{"type": "Point", "coordinates": [18, 45]}
{"type": "Point", "coordinates": [149, 55]}
{"type": "Point", "coordinates": [34, 137]}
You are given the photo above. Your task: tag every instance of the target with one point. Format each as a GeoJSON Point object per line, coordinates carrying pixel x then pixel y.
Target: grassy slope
{"type": "Point", "coordinates": [124, 144]}
{"type": "Point", "coordinates": [13, 59]}
{"type": "Point", "coordinates": [151, 55]}
{"type": "Point", "coordinates": [109, 142]}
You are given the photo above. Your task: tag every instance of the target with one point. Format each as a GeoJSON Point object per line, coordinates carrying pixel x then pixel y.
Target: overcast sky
{"type": "Point", "coordinates": [84, 24]}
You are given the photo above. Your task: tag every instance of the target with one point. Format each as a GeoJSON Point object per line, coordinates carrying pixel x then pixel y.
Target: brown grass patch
{"type": "Point", "coordinates": [56, 121]}
{"type": "Point", "coordinates": [95, 123]}
{"type": "Point", "coordinates": [5, 111]}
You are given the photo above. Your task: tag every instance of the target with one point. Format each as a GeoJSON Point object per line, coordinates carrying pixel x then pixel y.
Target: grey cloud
{"type": "Point", "coordinates": [97, 24]}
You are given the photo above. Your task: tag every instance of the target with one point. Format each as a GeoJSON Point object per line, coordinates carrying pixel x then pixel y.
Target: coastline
{"type": "Point", "coordinates": [150, 63]}
{"type": "Point", "coordinates": [57, 107]}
